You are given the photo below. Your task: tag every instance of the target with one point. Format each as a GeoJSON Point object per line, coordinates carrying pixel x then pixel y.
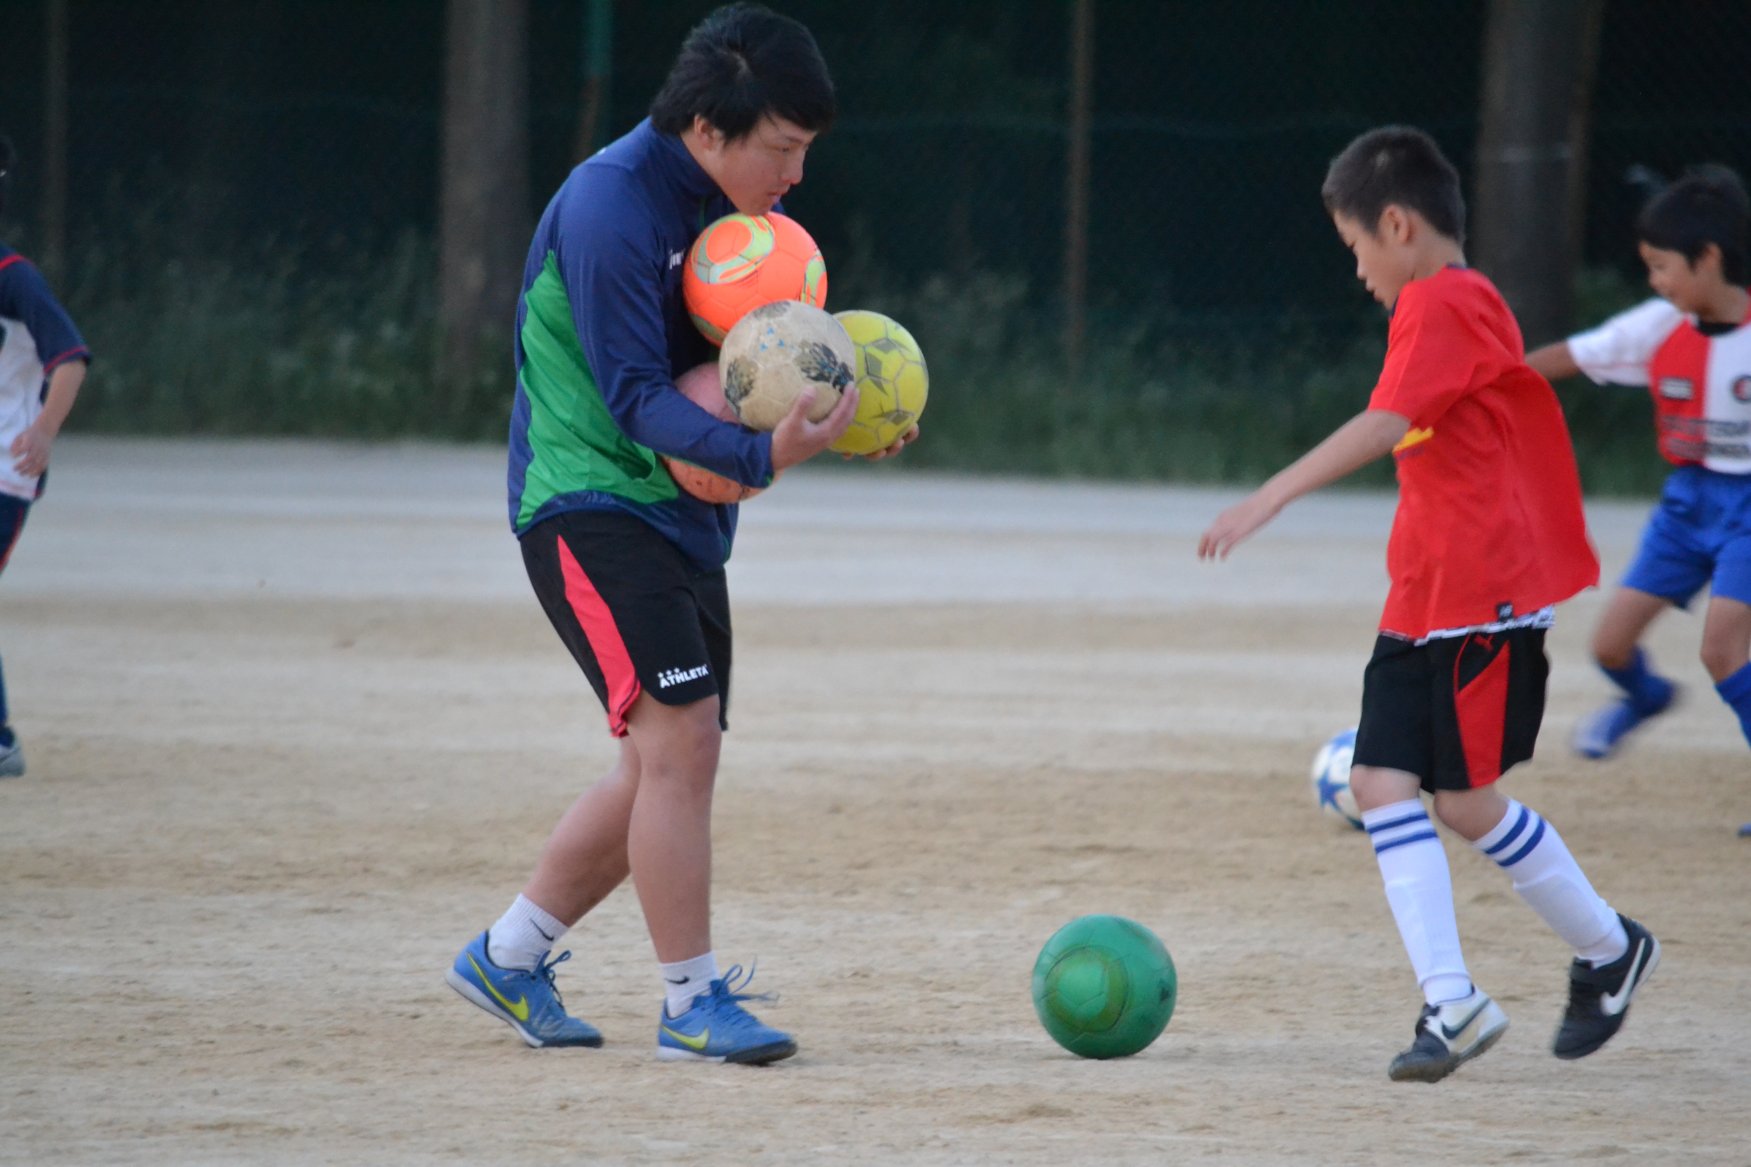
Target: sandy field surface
{"type": "Point", "coordinates": [296, 729]}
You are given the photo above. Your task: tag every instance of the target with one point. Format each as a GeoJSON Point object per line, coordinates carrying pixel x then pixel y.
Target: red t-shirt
{"type": "Point", "coordinates": [1489, 524]}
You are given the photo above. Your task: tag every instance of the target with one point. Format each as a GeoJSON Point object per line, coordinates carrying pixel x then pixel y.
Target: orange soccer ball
{"type": "Point", "coordinates": [743, 261]}
{"type": "Point", "coordinates": [704, 388]}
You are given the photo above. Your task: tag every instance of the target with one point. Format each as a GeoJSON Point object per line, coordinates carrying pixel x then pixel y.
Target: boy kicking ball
{"type": "Point", "coordinates": [1489, 536]}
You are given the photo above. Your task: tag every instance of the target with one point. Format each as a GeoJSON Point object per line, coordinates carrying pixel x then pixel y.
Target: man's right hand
{"type": "Point", "coordinates": [797, 439]}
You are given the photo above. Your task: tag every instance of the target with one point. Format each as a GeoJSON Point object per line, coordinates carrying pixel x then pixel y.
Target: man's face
{"type": "Point", "coordinates": [757, 170]}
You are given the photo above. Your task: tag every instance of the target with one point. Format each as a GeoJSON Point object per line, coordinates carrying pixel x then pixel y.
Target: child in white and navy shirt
{"type": "Point", "coordinates": [42, 364]}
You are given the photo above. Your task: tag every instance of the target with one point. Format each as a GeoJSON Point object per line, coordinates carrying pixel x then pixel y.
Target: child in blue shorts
{"type": "Point", "coordinates": [1692, 348]}
{"type": "Point", "coordinates": [42, 365]}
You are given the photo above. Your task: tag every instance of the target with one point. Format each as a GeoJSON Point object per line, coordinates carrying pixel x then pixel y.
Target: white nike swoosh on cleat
{"type": "Point", "coordinates": [1611, 1004]}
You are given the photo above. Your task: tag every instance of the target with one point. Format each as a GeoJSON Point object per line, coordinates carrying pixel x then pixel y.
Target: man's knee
{"type": "Point", "coordinates": [676, 739]}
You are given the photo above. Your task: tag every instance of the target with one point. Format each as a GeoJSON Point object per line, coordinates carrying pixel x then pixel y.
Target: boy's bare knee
{"type": "Point", "coordinates": [1448, 814]}
{"type": "Point", "coordinates": [1471, 814]}
{"type": "Point", "coordinates": [1722, 660]}
{"type": "Point", "coordinates": [1611, 652]}
{"type": "Point", "coordinates": [1376, 787]}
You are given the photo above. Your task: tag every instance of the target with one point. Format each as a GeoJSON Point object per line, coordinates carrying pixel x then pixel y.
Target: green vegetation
{"type": "Point", "coordinates": [268, 341]}
{"type": "Point", "coordinates": [333, 343]}
{"type": "Point", "coordinates": [1157, 399]}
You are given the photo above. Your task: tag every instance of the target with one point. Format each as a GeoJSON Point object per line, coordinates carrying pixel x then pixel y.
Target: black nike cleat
{"type": "Point", "coordinates": [1599, 997]}
{"type": "Point", "coordinates": [1449, 1035]}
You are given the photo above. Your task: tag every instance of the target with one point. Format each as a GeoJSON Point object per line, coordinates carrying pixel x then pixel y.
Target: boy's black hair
{"type": "Point", "coordinates": [1395, 164]}
{"type": "Point", "coordinates": [1706, 205]}
{"type": "Point", "coordinates": [740, 64]}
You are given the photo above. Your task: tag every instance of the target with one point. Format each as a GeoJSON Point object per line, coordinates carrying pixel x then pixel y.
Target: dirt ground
{"type": "Point", "coordinates": [296, 729]}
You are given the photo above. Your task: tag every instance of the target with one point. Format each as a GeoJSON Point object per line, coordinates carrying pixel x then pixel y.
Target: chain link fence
{"type": "Point", "coordinates": [300, 141]}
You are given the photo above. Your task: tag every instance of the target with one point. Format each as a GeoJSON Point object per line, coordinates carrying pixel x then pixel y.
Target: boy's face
{"type": "Point", "coordinates": [1686, 286]}
{"type": "Point", "coordinates": [1385, 262]}
{"type": "Point", "coordinates": [757, 170]}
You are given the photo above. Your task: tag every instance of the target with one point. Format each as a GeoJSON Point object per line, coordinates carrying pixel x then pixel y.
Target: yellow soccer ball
{"type": "Point", "coordinates": [892, 382]}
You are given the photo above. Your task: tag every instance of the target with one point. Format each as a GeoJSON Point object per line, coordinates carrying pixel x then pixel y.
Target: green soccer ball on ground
{"type": "Point", "coordinates": [1104, 987]}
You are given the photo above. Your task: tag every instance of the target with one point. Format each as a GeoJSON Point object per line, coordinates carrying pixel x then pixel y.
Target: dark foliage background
{"type": "Point", "coordinates": [253, 194]}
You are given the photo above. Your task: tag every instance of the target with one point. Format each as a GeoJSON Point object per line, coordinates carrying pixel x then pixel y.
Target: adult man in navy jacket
{"type": "Point", "coordinates": [629, 568]}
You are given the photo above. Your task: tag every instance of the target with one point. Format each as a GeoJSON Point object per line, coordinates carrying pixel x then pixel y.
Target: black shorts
{"type": "Point", "coordinates": [13, 512]}
{"type": "Point", "coordinates": [637, 616]}
{"type": "Point", "coordinates": [1457, 712]}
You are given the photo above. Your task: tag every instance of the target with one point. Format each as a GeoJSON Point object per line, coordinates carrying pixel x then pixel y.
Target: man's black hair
{"type": "Point", "coordinates": [1706, 205]}
{"type": "Point", "coordinates": [741, 64]}
{"type": "Point", "coordinates": [1395, 164]}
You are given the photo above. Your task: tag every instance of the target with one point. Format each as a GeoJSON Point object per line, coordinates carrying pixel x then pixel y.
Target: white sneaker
{"type": "Point", "coordinates": [1449, 1035]}
{"type": "Point", "coordinates": [12, 760]}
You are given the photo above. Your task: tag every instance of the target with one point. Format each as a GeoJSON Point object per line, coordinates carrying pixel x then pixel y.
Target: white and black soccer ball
{"type": "Point", "coordinates": [1330, 778]}
{"type": "Point", "coordinates": [777, 351]}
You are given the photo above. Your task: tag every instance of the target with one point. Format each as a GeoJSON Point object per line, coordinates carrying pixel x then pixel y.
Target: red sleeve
{"type": "Point", "coordinates": [1431, 355]}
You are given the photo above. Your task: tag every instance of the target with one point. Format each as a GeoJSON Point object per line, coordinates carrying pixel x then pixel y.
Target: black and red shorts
{"type": "Point", "coordinates": [1457, 712]}
{"type": "Point", "coordinates": [636, 614]}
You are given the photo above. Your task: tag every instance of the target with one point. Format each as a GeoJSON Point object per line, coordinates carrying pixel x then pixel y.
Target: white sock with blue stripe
{"type": "Point", "coordinates": [1419, 887]}
{"type": "Point", "coordinates": [1547, 877]}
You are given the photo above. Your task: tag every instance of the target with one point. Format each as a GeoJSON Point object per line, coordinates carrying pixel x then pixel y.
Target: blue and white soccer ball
{"type": "Point", "coordinates": [1330, 777]}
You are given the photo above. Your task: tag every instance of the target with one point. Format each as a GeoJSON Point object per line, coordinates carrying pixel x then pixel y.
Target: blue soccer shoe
{"type": "Point", "coordinates": [716, 1028]}
{"type": "Point", "coordinates": [525, 999]}
{"type": "Point", "coordinates": [1598, 735]}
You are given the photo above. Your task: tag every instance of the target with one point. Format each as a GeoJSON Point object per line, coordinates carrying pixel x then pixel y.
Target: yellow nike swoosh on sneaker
{"type": "Point", "coordinates": [519, 1008]}
{"type": "Point", "coordinates": [696, 1044]}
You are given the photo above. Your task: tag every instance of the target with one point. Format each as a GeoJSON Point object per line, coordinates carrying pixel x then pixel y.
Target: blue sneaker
{"type": "Point", "coordinates": [525, 999]}
{"type": "Point", "coordinates": [716, 1028]}
{"type": "Point", "coordinates": [12, 760]}
{"type": "Point", "coordinates": [1600, 732]}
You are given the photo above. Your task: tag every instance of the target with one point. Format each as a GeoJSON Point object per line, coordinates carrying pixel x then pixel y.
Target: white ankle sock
{"type": "Point", "coordinates": [1419, 888]}
{"type": "Point", "coordinates": [686, 979]}
{"type": "Point", "coordinates": [1547, 877]}
{"type": "Point", "coordinates": [523, 935]}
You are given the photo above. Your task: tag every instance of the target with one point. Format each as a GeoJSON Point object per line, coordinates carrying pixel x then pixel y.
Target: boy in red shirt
{"type": "Point", "coordinates": [1488, 537]}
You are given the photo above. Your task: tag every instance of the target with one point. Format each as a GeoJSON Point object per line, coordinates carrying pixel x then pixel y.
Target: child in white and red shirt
{"type": "Point", "coordinates": [1692, 349]}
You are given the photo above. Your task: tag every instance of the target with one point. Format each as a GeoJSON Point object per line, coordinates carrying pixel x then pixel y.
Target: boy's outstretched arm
{"type": "Point", "coordinates": [1553, 361]}
{"type": "Point", "coordinates": [1369, 435]}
